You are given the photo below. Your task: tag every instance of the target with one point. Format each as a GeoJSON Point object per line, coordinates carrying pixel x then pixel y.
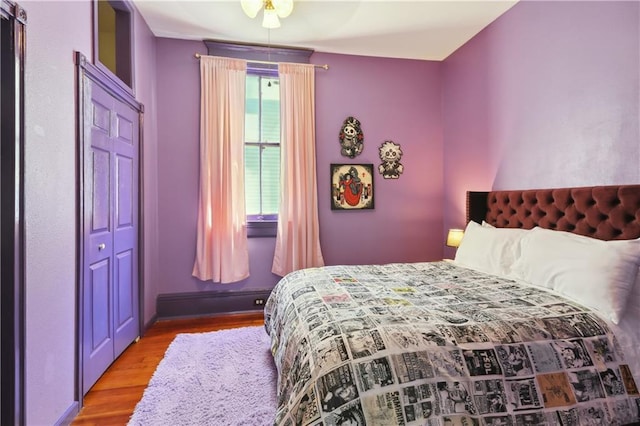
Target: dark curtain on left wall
{"type": "Point", "coordinates": [12, 56]}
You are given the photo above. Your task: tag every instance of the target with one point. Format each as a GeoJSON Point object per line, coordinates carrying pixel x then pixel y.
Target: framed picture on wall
{"type": "Point", "coordinates": [351, 186]}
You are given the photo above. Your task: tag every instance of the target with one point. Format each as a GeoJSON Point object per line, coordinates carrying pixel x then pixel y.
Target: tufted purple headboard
{"type": "Point", "coordinates": [604, 212]}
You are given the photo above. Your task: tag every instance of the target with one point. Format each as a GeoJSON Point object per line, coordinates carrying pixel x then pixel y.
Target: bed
{"type": "Point", "coordinates": [535, 322]}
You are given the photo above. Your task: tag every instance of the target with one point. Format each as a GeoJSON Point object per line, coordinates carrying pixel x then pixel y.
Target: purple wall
{"type": "Point", "coordinates": [54, 31]}
{"type": "Point", "coordinates": [546, 96]}
{"type": "Point", "coordinates": [145, 90]}
{"type": "Point", "coordinates": [397, 100]}
{"type": "Point", "coordinates": [394, 99]}
{"type": "Point", "coordinates": [178, 96]}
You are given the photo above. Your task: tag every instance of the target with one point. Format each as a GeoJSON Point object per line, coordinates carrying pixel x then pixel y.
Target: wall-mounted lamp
{"type": "Point", "coordinates": [273, 9]}
{"type": "Point", "coordinates": [454, 236]}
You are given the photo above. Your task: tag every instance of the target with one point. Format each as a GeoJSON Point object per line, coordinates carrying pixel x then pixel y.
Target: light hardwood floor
{"type": "Point", "coordinates": [114, 396]}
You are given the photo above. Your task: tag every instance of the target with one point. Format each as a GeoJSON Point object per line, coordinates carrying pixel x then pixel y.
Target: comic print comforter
{"type": "Point", "coordinates": [438, 344]}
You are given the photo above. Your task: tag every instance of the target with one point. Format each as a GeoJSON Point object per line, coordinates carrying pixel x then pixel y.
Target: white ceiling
{"type": "Point", "coordinates": [417, 29]}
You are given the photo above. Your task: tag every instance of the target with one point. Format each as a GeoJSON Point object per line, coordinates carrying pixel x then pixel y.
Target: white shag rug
{"type": "Point", "coordinates": [223, 377]}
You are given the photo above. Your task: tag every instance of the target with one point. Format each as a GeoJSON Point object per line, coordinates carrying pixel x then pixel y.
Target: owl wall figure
{"type": "Point", "coordinates": [390, 154]}
{"type": "Point", "coordinates": [351, 138]}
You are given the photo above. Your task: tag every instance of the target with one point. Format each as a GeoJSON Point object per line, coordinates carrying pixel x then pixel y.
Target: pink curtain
{"type": "Point", "coordinates": [221, 252]}
{"type": "Point", "coordinates": [298, 238]}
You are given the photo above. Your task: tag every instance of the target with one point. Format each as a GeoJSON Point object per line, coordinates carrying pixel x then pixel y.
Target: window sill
{"type": "Point", "coordinates": [262, 228]}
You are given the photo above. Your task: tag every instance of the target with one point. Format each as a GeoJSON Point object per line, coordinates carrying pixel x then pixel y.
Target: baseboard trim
{"type": "Point", "coordinates": [148, 324]}
{"type": "Point", "coordinates": [69, 415]}
{"type": "Point", "coordinates": [209, 303]}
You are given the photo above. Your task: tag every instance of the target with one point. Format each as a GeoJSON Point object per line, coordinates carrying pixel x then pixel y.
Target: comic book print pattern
{"type": "Point", "coordinates": [438, 344]}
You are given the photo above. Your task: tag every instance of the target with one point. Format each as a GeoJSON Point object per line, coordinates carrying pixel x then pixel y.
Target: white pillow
{"type": "Point", "coordinates": [631, 318]}
{"type": "Point", "coordinates": [599, 274]}
{"type": "Point", "coordinates": [489, 249]}
{"type": "Point", "coordinates": [633, 305]}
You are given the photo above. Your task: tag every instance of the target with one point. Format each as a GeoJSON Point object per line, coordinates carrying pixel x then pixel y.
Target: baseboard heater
{"type": "Point", "coordinates": [210, 303]}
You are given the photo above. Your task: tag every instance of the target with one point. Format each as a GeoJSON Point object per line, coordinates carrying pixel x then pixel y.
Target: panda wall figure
{"type": "Point", "coordinates": [351, 138]}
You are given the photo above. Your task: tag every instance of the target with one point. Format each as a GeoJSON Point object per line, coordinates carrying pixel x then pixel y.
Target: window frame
{"type": "Point", "coordinates": [13, 52]}
{"type": "Point", "coordinates": [261, 225]}
{"type": "Point", "coordinates": [123, 76]}
{"type": "Point", "coordinates": [267, 227]}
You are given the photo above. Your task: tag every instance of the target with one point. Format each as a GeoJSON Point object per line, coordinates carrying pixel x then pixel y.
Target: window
{"type": "Point", "coordinates": [262, 127]}
{"type": "Point", "coordinates": [112, 39]}
{"type": "Point", "coordinates": [262, 152]}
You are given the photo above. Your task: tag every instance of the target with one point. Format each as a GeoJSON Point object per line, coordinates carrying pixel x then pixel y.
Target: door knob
{"type": "Point", "coordinates": [102, 246]}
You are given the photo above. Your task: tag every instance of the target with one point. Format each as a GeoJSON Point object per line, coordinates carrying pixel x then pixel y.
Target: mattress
{"type": "Point", "coordinates": [436, 343]}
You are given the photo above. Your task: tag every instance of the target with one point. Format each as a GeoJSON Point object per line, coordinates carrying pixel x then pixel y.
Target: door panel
{"type": "Point", "coordinates": [125, 149]}
{"type": "Point", "coordinates": [101, 116]}
{"type": "Point", "coordinates": [124, 204]}
{"type": "Point", "coordinates": [126, 129]}
{"type": "Point", "coordinates": [98, 236]}
{"type": "Point", "coordinates": [110, 234]}
{"type": "Point", "coordinates": [101, 176]}
{"type": "Point", "coordinates": [124, 313]}
{"type": "Point", "coordinates": [98, 341]}
{"type": "Point", "coordinates": [101, 324]}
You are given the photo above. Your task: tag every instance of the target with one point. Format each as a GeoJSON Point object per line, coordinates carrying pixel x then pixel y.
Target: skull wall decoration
{"type": "Point", "coordinates": [390, 154]}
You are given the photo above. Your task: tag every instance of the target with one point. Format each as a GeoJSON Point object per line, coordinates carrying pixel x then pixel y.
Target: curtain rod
{"type": "Point", "coordinates": [325, 66]}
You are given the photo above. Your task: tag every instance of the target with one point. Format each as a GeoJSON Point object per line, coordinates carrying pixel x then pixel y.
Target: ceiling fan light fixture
{"type": "Point", "coordinates": [251, 7]}
{"type": "Point", "coordinates": [283, 7]}
{"type": "Point", "coordinates": [270, 19]}
{"type": "Point", "coordinates": [273, 9]}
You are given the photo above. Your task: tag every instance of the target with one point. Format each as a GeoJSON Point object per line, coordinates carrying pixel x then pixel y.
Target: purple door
{"type": "Point", "coordinates": [110, 293]}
